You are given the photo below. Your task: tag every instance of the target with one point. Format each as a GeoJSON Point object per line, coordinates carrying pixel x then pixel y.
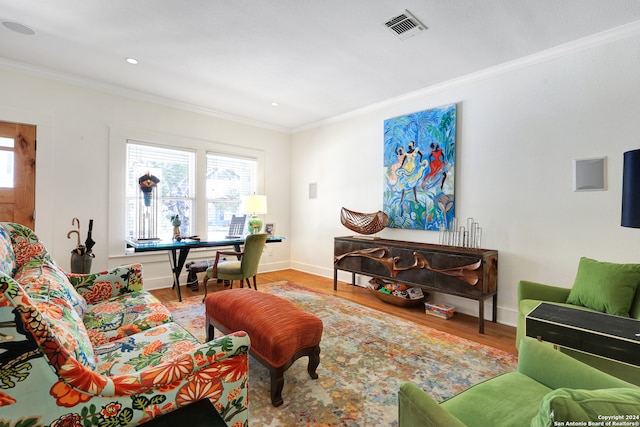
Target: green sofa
{"type": "Point", "coordinates": [599, 286]}
{"type": "Point", "coordinates": [549, 388]}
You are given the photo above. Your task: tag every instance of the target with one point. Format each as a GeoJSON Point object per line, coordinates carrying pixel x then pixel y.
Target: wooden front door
{"type": "Point", "coordinates": [17, 173]}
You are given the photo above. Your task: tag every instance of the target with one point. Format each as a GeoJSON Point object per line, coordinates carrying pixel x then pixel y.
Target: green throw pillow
{"type": "Point", "coordinates": [564, 405]}
{"type": "Point", "coordinates": [605, 287]}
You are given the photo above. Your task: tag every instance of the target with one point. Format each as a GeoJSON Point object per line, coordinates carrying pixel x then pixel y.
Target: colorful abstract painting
{"type": "Point", "coordinates": [419, 169]}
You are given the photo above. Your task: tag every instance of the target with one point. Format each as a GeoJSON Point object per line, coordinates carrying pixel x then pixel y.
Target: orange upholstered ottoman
{"type": "Point", "coordinates": [280, 332]}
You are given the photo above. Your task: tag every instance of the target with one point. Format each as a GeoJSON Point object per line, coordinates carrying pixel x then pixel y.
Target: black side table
{"type": "Point", "coordinates": [199, 414]}
{"type": "Point", "coordinates": [601, 334]}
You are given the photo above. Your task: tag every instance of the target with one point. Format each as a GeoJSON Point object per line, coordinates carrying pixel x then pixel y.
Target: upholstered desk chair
{"type": "Point", "coordinates": [244, 268]}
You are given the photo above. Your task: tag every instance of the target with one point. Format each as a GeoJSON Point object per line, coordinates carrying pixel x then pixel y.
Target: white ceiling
{"type": "Point", "coordinates": [315, 58]}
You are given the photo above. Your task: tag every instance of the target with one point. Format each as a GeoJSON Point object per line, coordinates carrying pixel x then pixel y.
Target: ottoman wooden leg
{"type": "Point", "coordinates": [314, 361]}
{"type": "Point", "coordinates": [277, 374]}
{"type": "Point", "coordinates": [211, 329]}
{"type": "Point", "coordinates": [277, 384]}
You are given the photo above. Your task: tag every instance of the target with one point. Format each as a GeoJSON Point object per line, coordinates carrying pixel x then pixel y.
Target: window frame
{"type": "Point", "coordinates": [253, 185]}
{"type": "Point", "coordinates": [162, 221]}
{"type": "Point", "coordinates": [118, 137]}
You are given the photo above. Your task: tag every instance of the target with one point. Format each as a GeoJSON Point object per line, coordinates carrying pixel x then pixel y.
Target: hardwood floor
{"type": "Point", "coordinates": [496, 335]}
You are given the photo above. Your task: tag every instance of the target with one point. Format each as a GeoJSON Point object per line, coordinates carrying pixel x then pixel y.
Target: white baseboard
{"type": "Point", "coordinates": [166, 281]}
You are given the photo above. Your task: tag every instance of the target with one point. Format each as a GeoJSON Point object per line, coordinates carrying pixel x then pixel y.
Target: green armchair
{"type": "Point", "coordinates": [547, 387]}
{"type": "Point", "coordinates": [244, 268]}
{"type": "Point", "coordinates": [599, 286]}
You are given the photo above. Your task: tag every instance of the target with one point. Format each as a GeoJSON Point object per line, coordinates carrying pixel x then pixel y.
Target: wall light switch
{"type": "Point", "coordinates": [313, 190]}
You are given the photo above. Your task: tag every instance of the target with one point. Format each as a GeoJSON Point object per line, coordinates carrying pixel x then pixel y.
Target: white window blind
{"type": "Point", "coordinates": [228, 179]}
{"type": "Point", "coordinates": [175, 168]}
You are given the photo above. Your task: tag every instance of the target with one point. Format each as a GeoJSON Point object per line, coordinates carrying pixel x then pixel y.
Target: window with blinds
{"type": "Point", "coordinates": [175, 190]}
{"type": "Point", "coordinates": [228, 179]}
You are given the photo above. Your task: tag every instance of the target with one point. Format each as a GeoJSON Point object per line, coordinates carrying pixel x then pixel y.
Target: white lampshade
{"type": "Point", "coordinates": [254, 204]}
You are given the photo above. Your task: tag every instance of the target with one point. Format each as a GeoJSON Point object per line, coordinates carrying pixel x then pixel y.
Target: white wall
{"type": "Point", "coordinates": [75, 124]}
{"type": "Point", "coordinates": [519, 128]}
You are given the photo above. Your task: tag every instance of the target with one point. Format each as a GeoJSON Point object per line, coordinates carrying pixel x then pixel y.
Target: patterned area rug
{"type": "Point", "coordinates": [366, 355]}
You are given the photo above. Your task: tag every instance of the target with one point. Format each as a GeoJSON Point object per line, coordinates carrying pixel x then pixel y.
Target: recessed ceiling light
{"type": "Point", "coordinates": [132, 61]}
{"type": "Point", "coordinates": [18, 28]}
{"type": "Point", "coordinates": [274, 104]}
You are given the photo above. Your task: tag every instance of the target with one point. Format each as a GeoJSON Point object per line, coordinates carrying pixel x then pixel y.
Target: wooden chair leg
{"type": "Point", "coordinates": [204, 283]}
{"type": "Point", "coordinates": [255, 285]}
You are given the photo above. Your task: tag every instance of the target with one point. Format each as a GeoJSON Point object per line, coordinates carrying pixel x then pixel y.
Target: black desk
{"type": "Point", "coordinates": [178, 251]}
{"type": "Point", "coordinates": [601, 334]}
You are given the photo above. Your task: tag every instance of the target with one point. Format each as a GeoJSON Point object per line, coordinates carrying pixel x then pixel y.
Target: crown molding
{"type": "Point", "coordinates": [615, 34]}
{"type": "Point", "coordinates": [590, 42]}
{"type": "Point", "coordinates": [110, 89]}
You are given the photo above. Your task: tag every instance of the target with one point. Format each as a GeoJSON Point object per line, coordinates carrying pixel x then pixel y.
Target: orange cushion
{"type": "Point", "coordinates": [277, 328]}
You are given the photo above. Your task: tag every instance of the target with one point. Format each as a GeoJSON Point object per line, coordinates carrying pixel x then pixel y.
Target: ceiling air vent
{"type": "Point", "coordinates": [404, 26]}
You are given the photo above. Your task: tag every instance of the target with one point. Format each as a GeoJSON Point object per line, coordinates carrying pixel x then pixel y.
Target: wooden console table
{"type": "Point", "coordinates": [464, 272]}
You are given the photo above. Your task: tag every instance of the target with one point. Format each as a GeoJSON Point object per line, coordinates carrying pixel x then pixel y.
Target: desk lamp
{"type": "Point", "coordinates": [631, 189]}
{"type": "Point", "coordinates": [254, 205]}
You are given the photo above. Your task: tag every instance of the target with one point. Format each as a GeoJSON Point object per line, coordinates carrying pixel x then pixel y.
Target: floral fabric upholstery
{"type": "Point", "coordinates": [7, 257]}
{"type": "Point", "coordinates": [98, 287]}
{"type": "Point", "coordinates": [26, 245]}
{"type": "Point", "coordinates": [63, 323]}
{"type": "Point", "coordinates": [122, 316]}
{"type": "Point", "coordinates": [51, 282]}
{"type": "Point", "coordinates": [52, 374]}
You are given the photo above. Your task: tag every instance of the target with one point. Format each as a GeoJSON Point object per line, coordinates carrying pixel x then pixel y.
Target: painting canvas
{"type": "Point", "coordinates": [419, 169]}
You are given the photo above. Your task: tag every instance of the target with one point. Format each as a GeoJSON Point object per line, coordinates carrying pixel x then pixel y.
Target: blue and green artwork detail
{"type": "Point", "coordinates": [419, 169]}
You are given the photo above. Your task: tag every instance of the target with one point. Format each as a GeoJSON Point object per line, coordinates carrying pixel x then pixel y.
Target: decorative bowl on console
{"type": "Point", "coordinates": [364, 223]}
{"type": "Point", "coordinates": [396, 293]}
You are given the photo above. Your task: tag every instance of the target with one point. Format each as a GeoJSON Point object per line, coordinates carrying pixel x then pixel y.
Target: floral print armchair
{"type": "Point", "coordinates": [97, 350]}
